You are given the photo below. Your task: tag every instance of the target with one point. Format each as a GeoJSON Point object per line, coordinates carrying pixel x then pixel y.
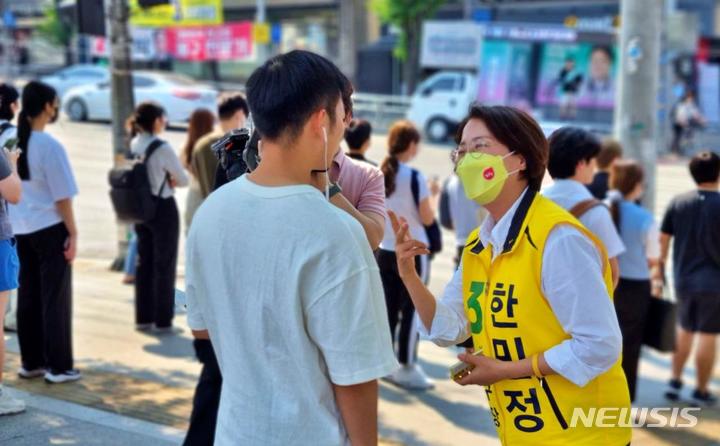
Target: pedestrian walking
{"type": "Point", "coordinates": [403, 146]}
{"type": "Point", "coordinates": [534, 292]}
{"type": "Point", "coordinates": [157, 239]}
{"type": "Point", "coordinates": [691, 223]}
{"type": "Point", "coordinates": [638, 264]}
{"type": "Point", "coordinates": [10, 192]}
{"type": "Point", "coordinates": [572, 165]}
{"type": "Point", "coordinates": [202, 123]}
{"type": "Point", "coordinates": [687, 118]}
{"type": "Point", "coordinates": [46, 233]}
{"type": "Point", "coordinates": [272, 296]}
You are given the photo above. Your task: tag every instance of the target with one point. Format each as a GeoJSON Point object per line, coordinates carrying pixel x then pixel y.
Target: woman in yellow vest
{"type": "Point", "coordinates": [534, 291]}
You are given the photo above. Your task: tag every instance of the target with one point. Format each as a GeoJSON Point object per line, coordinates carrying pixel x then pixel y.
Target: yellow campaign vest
{"type": "Point", "coordinates": [511, 319]}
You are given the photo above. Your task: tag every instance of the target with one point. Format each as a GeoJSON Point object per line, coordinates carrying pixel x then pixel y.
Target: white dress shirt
{"type": "Point", "coordinates": [572, 282]}
{"type": "Point", "coordinates": [568, 193]}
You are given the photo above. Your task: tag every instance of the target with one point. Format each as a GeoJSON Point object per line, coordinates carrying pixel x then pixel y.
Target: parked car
{"type": "Point", "coordinates": [441, 102]}
{"type": "Point", "coordinates": [178, 95]}
{"type": "Point", "coordinates": [75, 76]}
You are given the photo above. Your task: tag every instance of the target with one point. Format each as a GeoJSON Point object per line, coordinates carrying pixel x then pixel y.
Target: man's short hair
{"type": "Point", "coordinates": [229, 104]}
{"type": "Point", "coordinates": [569, 146]}
{"type": "Point", "coordinates": [288, 88]}
{"type": "Point", "coordinates": [705, 167]}
{"type": "Point", "coordinates": [609, 152]}
{"type": "Point", "coordinates": [357, 133]}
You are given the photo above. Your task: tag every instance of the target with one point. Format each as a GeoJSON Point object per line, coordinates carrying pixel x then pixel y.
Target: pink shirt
{"type": "Point", "coordinates": [362, 184]}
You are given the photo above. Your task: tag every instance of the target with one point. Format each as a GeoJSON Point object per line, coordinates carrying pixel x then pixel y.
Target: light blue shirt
{"type": "Point", "coordinates": [635, 225]}
{"type": "Point", "coordinates": [466, 214]}
{"type": "Point", "coordinates": [51, 180]}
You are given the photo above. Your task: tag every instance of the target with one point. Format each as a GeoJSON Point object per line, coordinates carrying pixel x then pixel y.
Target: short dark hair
{"type": "Point", "coordinates": [569, 146]}
{"type": "Point", "coordinates": [231, 103]}
{"type": "Point", "coordinates": [357, 133]}
{"type": "Point", "coordinates": [8, 96]}
{"type": "Point", "coordinates": [288, 88]}
{"type": "Point", "coordinates": [517, 130]}
{"type": "Point", "coordinates": [705, 167]}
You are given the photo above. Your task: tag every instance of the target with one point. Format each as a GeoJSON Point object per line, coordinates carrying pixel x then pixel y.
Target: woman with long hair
{"type": "Point", "coordinates": [202, 122]}
{"type": "Point", "coordinates": [46, 233]}
{"type": "Point", "coordinates": [158, 238]}
{"type": "Point", "coordinates": [403, 146]}
{"type": "Point", "coordinates": [638, 263]}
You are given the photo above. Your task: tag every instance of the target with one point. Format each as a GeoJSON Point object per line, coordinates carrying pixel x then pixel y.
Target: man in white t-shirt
{"type": "Point", "coordinates": [284, 282]}
{"type": "Point", "coordinates": [572, 165]}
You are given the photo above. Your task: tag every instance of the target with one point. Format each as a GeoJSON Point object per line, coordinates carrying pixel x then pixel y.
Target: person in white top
{"type": "Point", "coordinates": [284, 282]}
{"type": "Point", "coordinates": [46, 233]}
{"type": "Point", "coordinates": [572, 165]}
{"type": "Point", "coordinates": [577, 296]}
{"type": "Point", "coordinates": [403, 146]}
{"type": "Point", "coordinates": [157, 239]}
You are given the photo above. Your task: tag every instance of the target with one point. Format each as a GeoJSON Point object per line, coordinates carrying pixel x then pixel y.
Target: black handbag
{"type": "Point", "coordinates": [660, 325]}
{"type": "Point", "coordinates": [432, 230]}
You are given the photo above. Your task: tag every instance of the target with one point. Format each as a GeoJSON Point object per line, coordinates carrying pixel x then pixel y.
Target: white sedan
{"type": "Point", "coordinates": [74, 76]}
{"type": "Point", "coordinates": [180, 96]}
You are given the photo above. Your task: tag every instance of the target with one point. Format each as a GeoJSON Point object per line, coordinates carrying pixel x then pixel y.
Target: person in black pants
{"type": "Point", "coordinates": [638, 264]}
{"type": "Point", "coordinates": [46, 235]}
{"type": "Point", "coordinates": [157, 238]}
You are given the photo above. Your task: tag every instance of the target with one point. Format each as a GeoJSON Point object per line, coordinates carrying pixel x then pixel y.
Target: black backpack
{"type": "Point", "coordinates": [432, 230]}
{"type": "Point", "coordinates": [130, 190]}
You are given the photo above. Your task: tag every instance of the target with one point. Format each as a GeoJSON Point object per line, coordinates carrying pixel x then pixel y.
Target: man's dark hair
{"type": "Point", "coordinates": [357, 133]}
{"type": "Point", "coordinates": [705, 167]}
{"type": "Point", "coordinates": [603, 49]}
{"type": "Point", "coordinates": [288, 88]}
{"type": "Point", "coordinates": [518, 131]}
{"type": "Point", "coordinates": [8, 96]}
{"type": "Point", "coordinates": [569, 146]}
{"type": "Point", "coordinates": [229, 104]}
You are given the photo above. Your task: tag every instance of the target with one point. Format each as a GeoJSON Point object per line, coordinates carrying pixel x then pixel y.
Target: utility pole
{"type": "Point", "coordinates": [122, 97]}
{"type": "Point", "coordinates": [261, 49]}
{"type": "Point", "coordinates": [353, 32]}
{"type": "Point", "coordinates": [636, 123]}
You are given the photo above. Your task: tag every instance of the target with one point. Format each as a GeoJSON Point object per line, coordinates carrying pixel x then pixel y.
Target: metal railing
{"type": "Point", "coordinates": [381, 110]}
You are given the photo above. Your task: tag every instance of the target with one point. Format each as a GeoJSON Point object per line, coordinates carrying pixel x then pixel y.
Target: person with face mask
{"type": "Point", "coordinates": [46, 233]}
{"type": "Point", "coordinates": [638, 263]}
{"type": "Point", "coordinates": [534, 291]}
{"type": "Point", "coordinates": [293, 302]}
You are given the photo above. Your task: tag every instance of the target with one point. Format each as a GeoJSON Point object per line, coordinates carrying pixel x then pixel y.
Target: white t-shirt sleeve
{"type": "Point", "coordinates": [423, 187]}
{"type": "Point", "coordinates": [349, 325]}
{"type": "Point", "coordinates": [600, 223]}
{"type": "Point", "coordinates": [195, 319]}
{"type": "Point", "coordinates": [58, 172]}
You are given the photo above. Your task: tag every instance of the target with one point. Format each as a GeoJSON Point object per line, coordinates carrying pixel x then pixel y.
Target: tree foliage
{"type": "Point", "coordinates": [407, 16]}
{"type": "Point", "coordinates": [54, 29]}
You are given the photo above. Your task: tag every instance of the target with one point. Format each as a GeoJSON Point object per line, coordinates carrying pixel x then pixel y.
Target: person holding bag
{"type": "Point", "coordinates": [640, 261]}
{"type": "Point", "coordinates": [157, 238]}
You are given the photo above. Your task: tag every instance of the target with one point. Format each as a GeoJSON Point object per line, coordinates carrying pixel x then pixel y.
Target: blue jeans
{"type": "Point", "coordinates": [131, 256]}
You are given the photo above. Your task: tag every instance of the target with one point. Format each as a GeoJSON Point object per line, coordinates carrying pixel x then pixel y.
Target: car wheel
{"type": "Point", "coordinates": [77, 110]}
{"type": "Point", "coordinates": [438, 130]}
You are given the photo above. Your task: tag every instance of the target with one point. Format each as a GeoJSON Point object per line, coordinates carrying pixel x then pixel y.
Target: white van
{"type": "Point", "coordinates": [441, 102]}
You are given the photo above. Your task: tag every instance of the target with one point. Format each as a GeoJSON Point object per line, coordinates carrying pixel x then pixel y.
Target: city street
{"type": "Point", "coordinates": [138, 388]}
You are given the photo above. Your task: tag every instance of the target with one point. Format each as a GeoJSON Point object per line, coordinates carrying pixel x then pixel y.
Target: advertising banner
{"type": "Point", "coordinates": [505, 73]}
{"type": "Point", "coordinates": [232, 42]}
{"type": "Point", "coordinates": [147, 44]}
{"type": "Point", "coordinates": [177, 13]}
{"type": "Point", "coordinates": [451, 44]}
{"type": "Point", "coordinates": [593, 65]}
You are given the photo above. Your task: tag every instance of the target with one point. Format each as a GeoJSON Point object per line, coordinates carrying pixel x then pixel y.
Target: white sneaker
{"type": "Point", "coordinates": [30, 374]}
{"type": "Point", "coordinates": [10, 405]}
{"type": "Point", "coordinates": [64, 377]}
{"type": "Point", "coordinates": [411, 377]}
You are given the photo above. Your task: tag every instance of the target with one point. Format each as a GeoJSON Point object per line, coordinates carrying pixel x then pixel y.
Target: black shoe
{"type": "Point", "coordinates": [673, 390]}
{"type": "Point", "coordinates": [703, 399]}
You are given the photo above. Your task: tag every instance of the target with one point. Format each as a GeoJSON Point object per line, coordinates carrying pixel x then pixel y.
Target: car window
{"type": "Point", "coordinates": [87, 73]}
{"type": "Point", "coordinates": [143, 81]}
{"type": "Point", "coordinates": [443, 84]}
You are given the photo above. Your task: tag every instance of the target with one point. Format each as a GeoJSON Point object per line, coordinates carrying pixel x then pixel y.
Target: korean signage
{"type": "Point", "coordinates": [177, 13]}
{"type": "Point", "coordinates": [147, 44]}
{"type": "Point", "coordinates": [225, 42]}
{"type": "Point", "coordinates": [451, 44]}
